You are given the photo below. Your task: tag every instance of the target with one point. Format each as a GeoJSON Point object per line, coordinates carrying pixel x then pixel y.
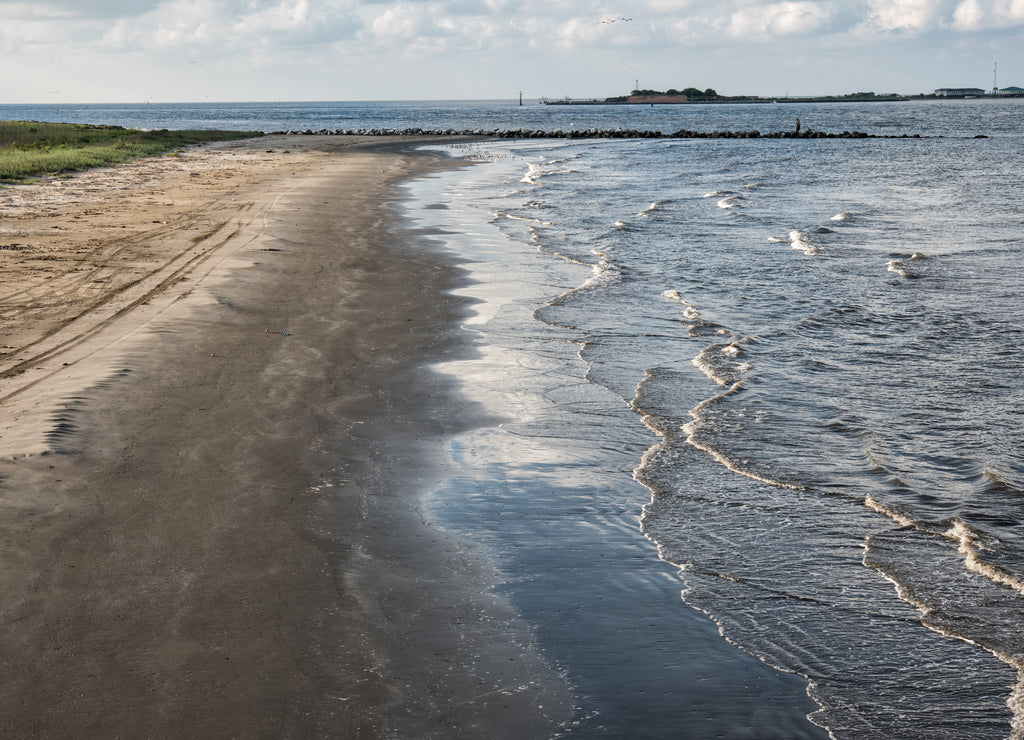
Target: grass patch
{"type": "Point", "coordinates": [30, 149]}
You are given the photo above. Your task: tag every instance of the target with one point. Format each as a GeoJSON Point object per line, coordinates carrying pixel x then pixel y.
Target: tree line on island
{"type": "Point", "coordinates": [691, 93]}
{"type": "Point", "coordinates": [709, 95]}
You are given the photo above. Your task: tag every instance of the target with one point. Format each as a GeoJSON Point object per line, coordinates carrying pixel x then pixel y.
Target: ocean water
{"type": "Point", "coordinates": [928, 118]}
{"type": "Point", "coordinates": [757, 467]}
{"type": "Point", "coordinates": [792, 369]}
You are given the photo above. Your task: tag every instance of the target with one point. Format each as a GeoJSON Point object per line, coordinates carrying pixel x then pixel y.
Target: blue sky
{"type": "Point", "coordinates": [239, 50]}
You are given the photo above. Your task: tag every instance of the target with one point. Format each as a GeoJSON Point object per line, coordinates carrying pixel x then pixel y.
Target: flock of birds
{"type": "Point", "coordinates": [615, 20]}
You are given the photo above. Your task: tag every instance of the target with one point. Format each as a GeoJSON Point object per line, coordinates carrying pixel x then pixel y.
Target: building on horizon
{"type": "Point", "coordinates": [959, 92]}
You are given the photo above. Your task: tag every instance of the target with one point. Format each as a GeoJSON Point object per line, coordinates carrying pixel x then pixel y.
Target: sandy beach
{"type": "Point", "coordinates": [216, 420]}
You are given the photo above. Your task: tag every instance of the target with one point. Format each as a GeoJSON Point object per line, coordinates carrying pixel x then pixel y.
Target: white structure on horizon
{"type": "Point", "coordinates": [977, 92]}
{"type": "Point", "coordinates": [959, 92]}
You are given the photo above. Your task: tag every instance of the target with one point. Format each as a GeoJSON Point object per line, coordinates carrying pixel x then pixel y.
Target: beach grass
{"type": "Point", "coordinates": [29, 149]}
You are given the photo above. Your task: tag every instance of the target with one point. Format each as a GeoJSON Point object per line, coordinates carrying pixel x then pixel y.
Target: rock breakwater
{"type": "Point", "coordinates": [594, 133]}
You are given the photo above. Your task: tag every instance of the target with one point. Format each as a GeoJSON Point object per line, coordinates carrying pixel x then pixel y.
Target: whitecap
{"type": "Point", "coordinates": [537, 172]}
{"type": "Point", "coordinates": [897, 516]}
{"type": "Point", "coordinates": [898, 267]}
{"type": "Point", "coordinates": [971, 545]}
{"type": "Point", "coordinates": [715, 361]}
{"type": "Point", "coordinates": [527, 219]}
{"type": "Point", "coordinates": [801, 240]}
{"type": "Point", "coordinates": [533, 175]}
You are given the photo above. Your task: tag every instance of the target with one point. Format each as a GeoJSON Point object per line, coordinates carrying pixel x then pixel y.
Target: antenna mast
{"type": "Point", "coordinates": [995, 85]}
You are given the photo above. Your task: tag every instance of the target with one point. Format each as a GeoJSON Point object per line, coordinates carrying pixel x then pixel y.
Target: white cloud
{"type": "Point", "coordinates": [390, 48]}
{"type": "Point", "coordinates": [1010, 10]}
{"type": "Point", "coordinates": [974, 15]}
{"type": "Point", "coordinates": [668, 6]}
{"type": "Point", "coordinates": [403, 22]}
{"type": "Point", "coordinates": [778, 19]}
{"type": "Point", "coordinates": [436, 26]}
{"type": "Point", "coordinates": [906, 15]}
{"type": "Point", "coordinates": [220, 26]}
{"type": "Point", "coordinates": [968, 15]}
{"type": "Point", "coordinates": [577, 32]}
{"type": "Point", "coordinates": [285, 17]}
{"type": "Point", "coordinates": [175, 24]}
{"type": "Point", "coordinates": [56, 9]}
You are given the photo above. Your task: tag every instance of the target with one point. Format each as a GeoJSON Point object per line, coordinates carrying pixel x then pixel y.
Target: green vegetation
{"type": "Point", "coordinates": [28, 148]}
{"type": "Point", "coordinates": [691, 92]}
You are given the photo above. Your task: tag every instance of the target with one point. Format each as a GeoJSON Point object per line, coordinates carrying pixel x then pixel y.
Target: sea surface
{"type": "Point", "coordinates": [794, 367]}
{"type": "Point", "coordinates": [757, 465]}
{"type": "Point", "coordinates": [938, 117]}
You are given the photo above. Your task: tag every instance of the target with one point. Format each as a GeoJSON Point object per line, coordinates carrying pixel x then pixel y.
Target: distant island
{"type": "Point", "coordinates": [692, 95]}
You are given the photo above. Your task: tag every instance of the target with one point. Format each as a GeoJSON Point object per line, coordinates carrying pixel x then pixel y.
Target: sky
{"type": "Point", "coordinates": [124, 51]}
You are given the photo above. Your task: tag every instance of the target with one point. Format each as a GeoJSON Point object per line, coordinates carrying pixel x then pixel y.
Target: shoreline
{"type": "Point", "coordinates": [212, 518]}
{"type": "Point", "coordinates": [230, 506]}
{"type": "Point", "coordinates": [551, 494]}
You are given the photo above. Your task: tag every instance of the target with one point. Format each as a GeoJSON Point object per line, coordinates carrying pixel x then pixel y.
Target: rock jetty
{"type": "Point", "coordinates": [593, 133]}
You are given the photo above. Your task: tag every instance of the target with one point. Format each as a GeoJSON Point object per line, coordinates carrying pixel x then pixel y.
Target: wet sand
{"type": "Point", "coordinates": [216, 423]}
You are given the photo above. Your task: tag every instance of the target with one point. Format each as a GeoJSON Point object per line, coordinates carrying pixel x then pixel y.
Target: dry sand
{"type": "Point", "coordinates": [216, 421]}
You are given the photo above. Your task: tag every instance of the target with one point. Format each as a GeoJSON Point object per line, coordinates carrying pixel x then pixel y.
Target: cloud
{"type": "Point", "coordinates": [778, 20]}
{"type": "Point", "coordinates": [285, 17]}
{"type": "Point", "coordinates": [298, 21]}
{"type": "Point", "coordinates": [906, 15]}
{"type": "Point", "coordinates": [417, 27]}
{"type": "Point", "coordinates": [403, 47]}
{"type": "Point", "coordinates": [224, 25]}
{"type": "Point", "coordinates": [175, 24]}
{"type": "Point", "coordinates": [668, 6]}
{"type": "Point", "coordinates": [969, 15]}
{"type": "Point", "coordinates": [404, 22]}
{"type": "Point", "coordinates": [916, 17]}
{"type": "Point", "coordinates": [551, 28]}
{"type": "Point", "coordinates": [974, 15]}
{"type": "Point", "coordinates": [1011, 10]}
{"type": "Point", "coordinates": [72, 9]}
